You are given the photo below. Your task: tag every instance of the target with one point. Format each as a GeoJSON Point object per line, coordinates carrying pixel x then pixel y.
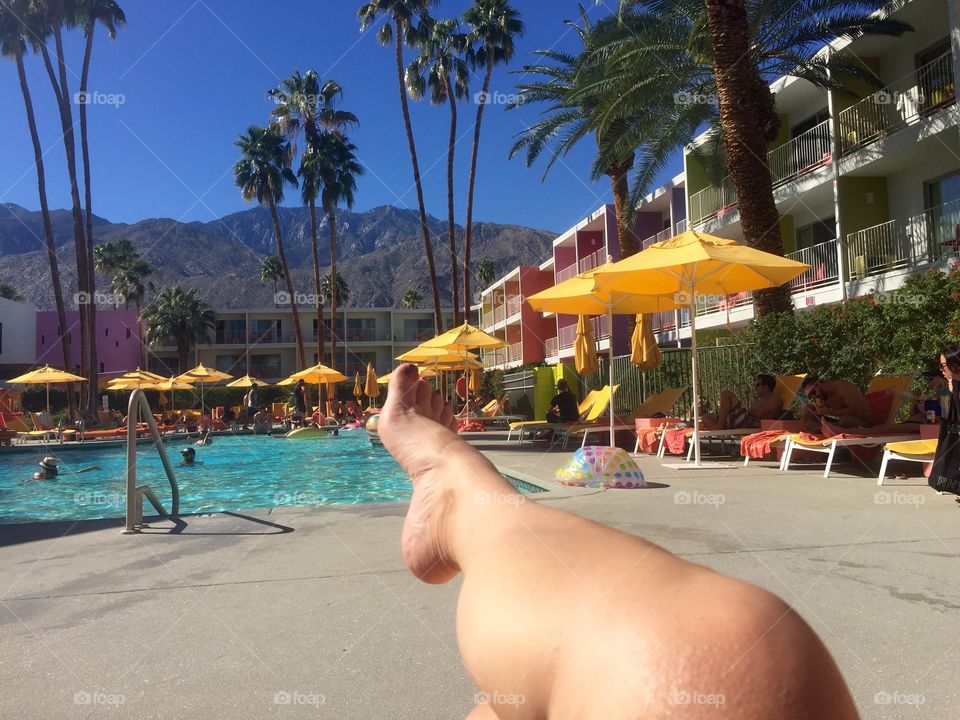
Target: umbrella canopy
{"type": "Point", "coordinates": [247, 381]}
{"type": "Point", "coordinates": [203, 374]}
{"type": "Point", "coordinates": [138, 375]}
{"type": "Point", "coordinates": [693, 264]}
{"type": "Point", "coordinates": [466, 336]}
{"type": "Point", "coordinates": [46, 376]}
{"type": "Point", "coordinates": [644, 351]}
{"type": "Point", "coordinates": [468, 362]}
{"type": "Point", "coordinates": [371, 390]}
{"type": "Point", "coordinates": [357, 387]}
{"type": "Point", "coordinates": [424, 354]}
{"type": "Point", "coordinates": [585, 348]}
{"type": "Point", "coordinates": [319, 373]}
{"type": "Point", "coordinates": [425, 372]}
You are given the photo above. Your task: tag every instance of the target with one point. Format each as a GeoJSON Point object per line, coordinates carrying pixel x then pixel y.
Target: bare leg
{"type": "Point", "coordinates": [728, 401]}
{"type": "Point", "coordinates": [560, 617]}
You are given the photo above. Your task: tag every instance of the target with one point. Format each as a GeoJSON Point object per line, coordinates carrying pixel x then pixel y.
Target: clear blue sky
{"type": "Point", "coordinates": [193, 75]}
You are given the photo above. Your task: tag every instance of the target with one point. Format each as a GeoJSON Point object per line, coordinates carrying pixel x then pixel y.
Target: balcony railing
{"type": "Point", "coordinates": [600, 327]}
{"type": "Point", "coordinates": [515, 352]}
{"type": "Point", "coordinates": [804, 154]}
{"type": "Point", "coordinates": [922, 93]}
{"type": "Point", "coordinates": [664, 321]}
{"type": "Point", "coordinates": [498, 313]}
{"type": "Point", "coordinates": [593, 260]}
{"type": "Point", "coordinates": [824, 266]}
{"type": "Point", "coordinates": [226, 338]}
{"type": "Point", "coordinates": [488, 318]}
{"type": "Point", "coordinates": [928, 237]}
{"type": "Point", "coordinates": [567, 336]}
{"type": "Point", "coordinates": [414, 336]}
{"type": "Point", "coordinates": [567, 273]}
{"type": "Point", "coordinates": [550, 347]}
{"type": "Point", "coordinates": [273, 336]}
{"type": "Point", "coordinates": [514, 302]}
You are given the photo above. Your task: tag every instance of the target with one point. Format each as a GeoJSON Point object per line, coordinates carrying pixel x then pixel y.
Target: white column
{"type": "Point", "coordinates": [837, 200]}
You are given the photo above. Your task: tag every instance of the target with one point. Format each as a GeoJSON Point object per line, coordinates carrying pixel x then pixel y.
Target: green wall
{"type": "Point", "coordinates": [788, 233]}
{"type": "Point", "coordinates": [697, 178]}
{"type": "Point", "coordinates": [859, 89]}
{"type": "Point", "coordinates": [546, 386]}
{"type": "Point", "coordinates": [855, 212]}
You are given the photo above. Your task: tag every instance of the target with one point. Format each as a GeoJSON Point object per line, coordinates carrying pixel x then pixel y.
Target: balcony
{"type": "Point", "coordinates": [600, 327]}
{"type": "Point", "coordinates": [515, 352]}
{"type": "Point", "coordinates": [567, 273]}
{"type": "Point", "coordinates": [488, 319]}
{"type": "Point", "coordinates": [824, 267]}
{"type": "Point", "coordinates": [550, 347]}
{"type": "Point", "coordinates": [414, 336]}
{"type": "Point", "coordinates": [514, 303]}
{"type": "Point", "coordinates": [567, 336]}
{"type": "Point", "coordinates": [226, 338]}
{"type": "Point", "coordinates": [664, 321]}
{"type": "Point", "coordinates": [929, 237]}
{"type": "Point", "coordinates": [272, 336]}
{"type": "Point", "coordinates": [903, 102]}
{"type": "Point", "coordinates": [498, 313]}
{"type": "Point", "coordinates": [593, 260]}
{"type": "Point", "coordinates": [801, 156]}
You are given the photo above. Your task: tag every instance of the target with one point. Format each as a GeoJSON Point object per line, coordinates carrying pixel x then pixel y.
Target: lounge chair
{"type": "Point", "coordinates": [494, 413]}
{"type": "Point", "coordinates": [657, 404]}
{"type": "Point", "coordinates": [594, 420]}
{"type": "Point", "coordinates": [532, 427]}
{"type": "Point", "coordinates": [922, 451]}
{"type": "Point", "coordinates": [893, 386]}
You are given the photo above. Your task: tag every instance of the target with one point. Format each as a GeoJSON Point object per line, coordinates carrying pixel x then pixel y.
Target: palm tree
{"type": "Point", "coordinates": [747, 43]}
{"type": "Point", "coordinates": [261, 173]}
{"type": "Point", "coordinates": [399, 27]}
{"type": "Point", "coordinates": [571, 116]}
{"type": "Point", "coordinates": [326, 288]}
{"type": "Point", "coordinates": [441, 48]}
{"type": "Point", "coordinates": [8, 292]}
{"type": "Point", "coordinates": [493, 26]}
{"type": "Point", "coordinates": [411, 299]}
{"type": "Point", "coordinates": [485, 272]}
{"type": "Point", "coordinates": [86, 14]}
{"type": "Point", "coordinates": [129, 282]}
{"type": "Point", "coordinates": [178, 316]}
{"type": "Point", "coordinates": [13, 46]}
{"type": "Point", "coordinates": [49, 19]}
{"type": "Point", "coordinates": [333, 162]}
{"type": "Point", "coordinates": [110, 255]}
{"type": "Point", "coordinates": [271, 270]}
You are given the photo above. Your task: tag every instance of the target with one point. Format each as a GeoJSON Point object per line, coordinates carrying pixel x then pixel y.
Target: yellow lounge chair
{"type": "Point", "coordinates": [592, 421]}
{"type": "Point", "coordinates": [534, 426]}
{"type": "Point", "coordinates": [922, 451]}
{"type": "Point", "coordinates": [659, 403]}
{"type": "Point", "coordinates": [897, 385]}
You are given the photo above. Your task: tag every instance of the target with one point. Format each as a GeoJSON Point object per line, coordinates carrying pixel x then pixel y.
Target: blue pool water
{"type": "Point", "coordinates": [234, 473]}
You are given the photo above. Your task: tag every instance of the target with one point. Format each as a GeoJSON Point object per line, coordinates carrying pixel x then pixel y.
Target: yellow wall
{"type": "Point", "coordinates": [856, 211]}
{"type": "Point", "coordinates": [696, 179]}
{"type": "Point", "coordinates": [787, 233]}
{"type": "Point", "coordinates": [858, 88]}
{"type": "Point", "coordinates": [546, 386]}
{"type": "Point", "coordinates": [783, 135]}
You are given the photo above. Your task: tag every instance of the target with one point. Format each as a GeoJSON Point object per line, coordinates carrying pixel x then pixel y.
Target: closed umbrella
{"type": "Point", "coordinates": [371, 390]}
{"type": "Point", "coordinates": [476, 379]}
{"type": "Point", "coordinates": [357, 387]}
{"type": "Point", "coordinates": [690, 264]}
{"type": "Point", "coordinates": [46, 376]}
{"type": "Point", "coordinates": [585, 348]}
{"type": "Point", "coordinates": [644, 351]}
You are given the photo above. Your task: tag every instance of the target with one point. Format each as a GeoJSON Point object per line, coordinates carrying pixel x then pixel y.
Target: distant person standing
{"type": "Point", "coordinates": [300, 401]}
{"type": "Point", "coordinates": [250, 400]}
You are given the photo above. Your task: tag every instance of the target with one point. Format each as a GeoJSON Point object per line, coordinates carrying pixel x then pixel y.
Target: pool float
{"type": "Point", "coordinates": [601, 466]}
{"type": "Point", "coordinates": [355, 425]}
{"type": "Point", "coordinates": [305, 433]}
{"type": "Point", "coordinates": [371, 426]}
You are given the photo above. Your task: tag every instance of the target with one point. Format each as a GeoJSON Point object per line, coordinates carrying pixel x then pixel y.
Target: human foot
{"type": "Point", "coordinates": [418, 428]}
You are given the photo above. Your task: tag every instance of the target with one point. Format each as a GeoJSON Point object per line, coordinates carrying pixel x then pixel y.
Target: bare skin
{"type": "Point", "coordinates": [560, 617]}
{"type": "Point", "coordinates": [765, 406]}
{"type": "Point", "coordinates": [840, 399]}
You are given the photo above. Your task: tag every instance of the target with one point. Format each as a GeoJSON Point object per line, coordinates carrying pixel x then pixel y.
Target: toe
{"type": "Point", "coordinates": [424, 396]}
{"type": "Point", "coordinates": [437, 403]}
{"type": "Point", "coordinates": [403, 379]}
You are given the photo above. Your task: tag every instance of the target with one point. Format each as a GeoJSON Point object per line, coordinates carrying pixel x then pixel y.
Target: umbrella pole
{"type": "Point", "coordinates": [48, 398]}
{"type": "Point", "coordinates": [693, 365]}
{"type": "Point", "coordinates": [610, 368]}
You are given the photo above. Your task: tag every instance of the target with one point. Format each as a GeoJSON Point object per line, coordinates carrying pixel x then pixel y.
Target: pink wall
{"type": "Point", "coordinates": [648, 224]}
{"type": "Point", "coordinates": [534, 326]}
{"type": "Point", "coordinates": [118, 343]}
{"type": "Point", "coordinates": [563, 257]}
{"type": "Point", "coordinates": [588, 242]}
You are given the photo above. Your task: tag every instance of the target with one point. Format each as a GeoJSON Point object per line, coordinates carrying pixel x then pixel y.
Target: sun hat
{"type": "Point", "coordinates": [49, 463]}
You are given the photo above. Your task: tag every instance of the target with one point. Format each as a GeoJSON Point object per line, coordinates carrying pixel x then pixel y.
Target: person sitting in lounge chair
{"type": "Point", "coordinates": [927, 407]}
{"type": "Point", "coordinates": [732, 414]}
{"type": "Point", "coordinates": [563, 406]}
{"type": "Point", "coordinates": [837, 402]}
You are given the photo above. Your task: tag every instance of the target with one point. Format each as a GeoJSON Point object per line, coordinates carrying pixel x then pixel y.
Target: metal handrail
{"type": "Point", "coordinates": [138, 404]}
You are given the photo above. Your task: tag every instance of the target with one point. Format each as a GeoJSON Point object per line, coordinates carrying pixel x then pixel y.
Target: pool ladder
{"type": "Point", "coordinates": [138, 408]}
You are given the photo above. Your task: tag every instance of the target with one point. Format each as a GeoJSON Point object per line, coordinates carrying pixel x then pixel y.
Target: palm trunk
{"type": "Point", "coordinates": [468, 230]}
{"type": "Point", "coordinates": [316, 286]}
{"type": "Point", "coordinates": [749, 123]}
{"type": "Point", "coordinates": [621, 202]}
{"type": "Point", "coordinates": [451, 231]}
{"type": "Point", "coordinates": [88, 202]}
{"type": "Point", "coordinates": [47, 229]}
{"type": "Point", "coordinates": [61, 91]}
{"type": "Point", "coordinates": [332, 219]}
{"type": "Point", "coordinates": [298, 334]}
{"type": "Point", "coordinates": [425, 228]}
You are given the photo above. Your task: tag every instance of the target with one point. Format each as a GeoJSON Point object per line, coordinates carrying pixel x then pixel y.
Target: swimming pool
{"type": "Point", "coordinates": [234, 473]}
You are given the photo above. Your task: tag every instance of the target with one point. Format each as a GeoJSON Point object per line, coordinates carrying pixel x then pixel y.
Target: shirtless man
{"type": "Point", "coordinates": [732, 414]}
{"type": "Point", "coordinates": [560, 617]}
{"type": "Point", "coordinates": [838, 402]}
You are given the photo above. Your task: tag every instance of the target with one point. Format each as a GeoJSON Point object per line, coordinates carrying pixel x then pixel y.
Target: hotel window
{"type": "Point", "coordinates": [942, 199]}
{"type": "Point", "coordinates": [416, 329]}
{"type": "Point", "coordinates": [817, 233]}
{"type": "Point", "coordinates": [228, 363]}
{"type": "Point", "coordinates": [230, 331]}
{"type": "Point", "coordinates": [265, 330]}
{"type": "Point", "coordinates": [265, 366]}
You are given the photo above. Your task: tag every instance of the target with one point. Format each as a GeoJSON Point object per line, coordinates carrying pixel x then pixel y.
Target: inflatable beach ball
{"type": "Point", "coordinates": [372, 423]}
{"type": "Point", "coordinates": [601, 466]}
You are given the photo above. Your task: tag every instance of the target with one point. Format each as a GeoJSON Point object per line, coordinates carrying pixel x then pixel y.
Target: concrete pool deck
{"type": "Point", "coordinates": [309, 612]}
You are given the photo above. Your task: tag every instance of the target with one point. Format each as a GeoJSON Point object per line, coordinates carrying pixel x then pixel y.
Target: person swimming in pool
{"type": "Point", "coordinates": [205, 438]}
{"type": "Point", "coordinates": [189, 457]}
{"type": "Point", "coordinates": [50, 470]}
{"type": "Point", "coordinates": [566, 616]}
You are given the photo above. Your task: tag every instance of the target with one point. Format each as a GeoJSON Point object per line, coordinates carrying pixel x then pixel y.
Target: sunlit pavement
{"type": "Point", "coordinates": [308, 612]}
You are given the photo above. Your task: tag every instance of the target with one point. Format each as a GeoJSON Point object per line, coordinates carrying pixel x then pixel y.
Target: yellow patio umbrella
{"type": "Point", "coordinates": [357, 387]}
{"type": "Point", "coordinates": [371, 390]}
{"type": "Point", "coordinates": [318, 374]}
{"type": "Point", "coordinates": [693, 264]}
{"type": "Point", "coordinates": [465, 336]}
{"type": "Point", "coordinates": [424, 371]}
{"type": "Point", "coordinates": [476, 379]}
{"type": "Point", "coordinates": [579, 296]}
{"type": "Point", "coordinates": [247, 381]}
{"type": "Point", "coordinates": [644, 351]}
{"type": "Point", "coordinates": [46, 376]}
{"type": "Point", "coordinates": [137, 378]}
{"type": "Point", "coordinates": [424, 354]}
{"type": "Point", "coordinates": [169, 385]}
{"type": "Point", "coordinates": [585, 348]}
{"type": "Point", "coordinates": [202, 374]}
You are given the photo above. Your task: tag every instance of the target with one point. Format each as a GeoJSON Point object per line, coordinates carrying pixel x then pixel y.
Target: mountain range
{"type": "Point", "coordinates": [380, 253]}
